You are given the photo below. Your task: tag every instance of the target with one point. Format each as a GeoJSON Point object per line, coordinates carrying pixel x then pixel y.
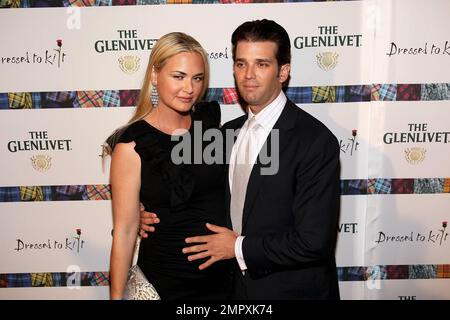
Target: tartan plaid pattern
{"type": "Point", "coordinates": [78, 3]}
{"type": "Point", "coordinates": [205, 1]}
{"type": "Point", "coordinates": [423, 271]}
{"type": "Point", "coordinates": [89, 99]}
{"type": "Point", "coordinates": [111, 98]}
{"type": "Point", "coordinates": [378, 186]}
{"type": "Point", "coordinates": [214, 94]}
{"type": "Point", "coordinates": [402, 186]}
{"type": "Point", "coordinates": [4, 101]}
{"type": "Point", "coordinates": [123, 2]}
{"type": "Point", "coordinates": [357, 93]}
{"type": "Point", "coordinates": [354, 274]}
{"type": "Point", "coordinates": [435, 91]}
{"type": "Point", "coordinates": [397, 272]}
{"type": "Point", "coordinates": [147, 2]}
{"type": "Point", "coordinates": [3, 281]}
{"type": "Point", "coordinates": [41, 280]}
{"type": "Point", "coordinates": [20, 100]}
{"type": "Point", "coordinates": [408, 92]}
{"type": "Point", "coordinates": [446, 186]}
{"type": "Point", "coordinates": [235, 1]}
{"type": "Point", "coordinates": [100, 279]}
{"type": "Point", "coordinates": [102, 3]}
{"type": "Point", "coordinates": [426, 185]}
{"type": "Point", "coordinates": [179, 1]}
{"type": "Point", "coordinates": [230, 96]}
{"type": "Point", "coordinates": [18, 280]}
{"type": "Point", "coordinates": [376, 273]}
{"type": "Point", "coordinates": [36, 100]}
{"type": "Point", "coordinates": [10, 4]}
{"type": "Point", "coordinates": [322, 94]}
{"type": "Point", "coordinates": [73, 192]}
{"type": "Point", "coordinates": [340, 93]}
{"type": "Point", "coordinates": [59, 279]}
{"type": "Point", "coordinates": [25, 4]}
{"type": "Point", "coordinates": [383, 92]}
{"type": "Point", "coordinates": [129, 98]}
{"type": "Point", "coordinates": [443, 271]}
{"type": "Point", "coordinates": [60, 99]}
{"type": "Point", "coordinates": [9, 194]}
{"type": "Point", "coordinates": [299, 94]}
{"type": "Point", "coordinates": [98, 192]}
{"type": "Point", "coordinates": [353, 187]}
{"type": "Point", "coordinates": [35, 193]}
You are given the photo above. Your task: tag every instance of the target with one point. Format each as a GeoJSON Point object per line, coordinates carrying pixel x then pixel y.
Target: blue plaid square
{"type": "Point", "coordinates": [111, 98]}
{"type": "Point", "coordinates": [214, 94]}
{"type": "Point", "coordinates": [299, 94]}
{"type": "Point", "coordinates": [379, 186]}
{"type": "Point", "coordinates": [4, 101]}
{"type": "Point", "coordinates": [9, 194]}
{"type": "Point", "coordinates": [19, 280]}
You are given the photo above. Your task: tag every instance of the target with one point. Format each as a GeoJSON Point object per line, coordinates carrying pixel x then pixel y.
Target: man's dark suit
{"type": "Point", "coordinates": [290, 218]}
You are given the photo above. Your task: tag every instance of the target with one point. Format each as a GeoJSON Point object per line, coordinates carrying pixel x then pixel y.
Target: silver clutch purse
{"type": "Point", "coordinates": [138, 287]}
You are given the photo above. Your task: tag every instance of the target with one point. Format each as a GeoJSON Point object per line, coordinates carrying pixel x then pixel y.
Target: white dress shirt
{"type": "Point", "coordinates": [266, 119]}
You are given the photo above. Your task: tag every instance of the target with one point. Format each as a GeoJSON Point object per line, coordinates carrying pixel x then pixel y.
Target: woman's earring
{"type": "Point", "coordinates": [154, 96]}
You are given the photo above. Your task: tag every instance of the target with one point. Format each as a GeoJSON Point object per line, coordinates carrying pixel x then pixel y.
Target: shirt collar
{"type": "Point", "coordinates": [264, 117]}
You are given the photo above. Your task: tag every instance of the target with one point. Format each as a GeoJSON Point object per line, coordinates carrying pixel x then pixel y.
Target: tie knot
{"type": "Point", "coordinates": [252, 123]}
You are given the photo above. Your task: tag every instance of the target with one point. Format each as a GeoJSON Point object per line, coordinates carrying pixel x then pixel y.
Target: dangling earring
{"type": "Point", "coordinates": [154, 96]}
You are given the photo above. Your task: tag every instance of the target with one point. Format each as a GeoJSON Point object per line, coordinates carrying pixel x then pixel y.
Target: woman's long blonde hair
{"type": "Point", "coordinates": [165, 48]}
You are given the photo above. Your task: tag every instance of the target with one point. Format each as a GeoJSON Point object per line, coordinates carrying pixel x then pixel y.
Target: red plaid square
{"type": "Point", "coordinates": [230, 96]}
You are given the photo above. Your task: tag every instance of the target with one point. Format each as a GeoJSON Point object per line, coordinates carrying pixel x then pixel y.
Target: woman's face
{"type": "Point", "coordinates": [180, 81]}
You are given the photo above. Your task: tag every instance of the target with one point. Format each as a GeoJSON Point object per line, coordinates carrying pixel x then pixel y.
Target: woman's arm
{"type": "Point", "coordinates": [125, 184]}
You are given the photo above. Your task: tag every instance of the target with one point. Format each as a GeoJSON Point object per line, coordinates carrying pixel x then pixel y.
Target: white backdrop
{"type": "Point", "coordinates": [60, 100]}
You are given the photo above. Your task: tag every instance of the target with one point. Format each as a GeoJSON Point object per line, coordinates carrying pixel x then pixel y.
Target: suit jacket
{"type": "Point", "coordinates": [290, 218]}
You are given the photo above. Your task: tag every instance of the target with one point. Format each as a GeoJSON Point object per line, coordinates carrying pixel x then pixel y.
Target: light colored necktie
{"type": "Point", "coordinates": [241, 174]}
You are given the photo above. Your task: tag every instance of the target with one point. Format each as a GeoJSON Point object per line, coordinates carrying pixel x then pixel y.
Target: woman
{"type": "Point", "coordinates": [186, 196]}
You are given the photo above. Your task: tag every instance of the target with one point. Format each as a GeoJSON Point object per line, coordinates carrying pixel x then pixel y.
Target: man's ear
{"type": "Point", "coordinates": [284, 72]}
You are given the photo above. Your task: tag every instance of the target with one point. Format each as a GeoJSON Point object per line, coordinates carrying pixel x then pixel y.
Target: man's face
{"type": "Point", "coordinates": [257, 74]}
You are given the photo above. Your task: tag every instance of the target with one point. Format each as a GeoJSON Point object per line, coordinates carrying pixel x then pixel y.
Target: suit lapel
{"type": "Point", "coordinates": [284, 125]}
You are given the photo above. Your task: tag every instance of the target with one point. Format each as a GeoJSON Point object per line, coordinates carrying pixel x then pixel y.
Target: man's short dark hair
{"type": "Point", "coordinates": [264, 30]}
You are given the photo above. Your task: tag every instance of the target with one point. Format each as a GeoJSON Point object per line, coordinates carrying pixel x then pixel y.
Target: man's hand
{"type": "Point", "coordinates": [218, 246]}
{"type": "Point", "coordinates": [147, 220]}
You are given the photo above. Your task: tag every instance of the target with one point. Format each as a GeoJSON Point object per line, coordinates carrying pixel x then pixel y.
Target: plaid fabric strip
{"type": "Point", "coordinates": [59, 279]}
{"type": "Point", "coordinates": [363, 90]}
{"type": "Point", "coordinates": [36, 100]}
{"type": "Point", "coordinates": [446, 186]}
{"type": "Point", "coordinates": [323, 94]}
{"type": "Point", "coordinates": [31, 193]}
{"type": "Point", "coordinates": [129, 98]}
{"type": "Point", "coordinates": [214, 94]}
{"type": "Point", "coordinates": [71, 192]}
{"type": "Point", "coordinates": [340, 93]}
{"type": "Point", "coordinates": [299, 94]}
{"type": "Point", "coordinates": [383, 92]}
{"type": "Point", "coordinates": [423, 271]}
{"type": "Point", "coordinates": [9, 194]}
{"type": "Point", "coordinates": [111, 98]}
{"type": "Point", "coordinates": [376, 273]}
{"type": "Point", "coordinates": [3, 280]}
{"type": "Point", "coordinates": [397, 272]}
{"type": "Point", "coordinates": [89, 99]}
{"type": "Point", "coordinates": [10, 4]}
{"type": "Point", "coordinates": [230, 96]}
{"type": "Point", "coordinates": [357, 93]}
{"type": "Point", "coordinates": [123, 2]}
{"type": "Point", "coordinates": [61, 99]}
{"type": "Point", "coordinates": [19, 280]}
{"type": "Point", "coordinates": [103, 3]}
{"type": "Point", "coordinates": [205, 1]}
{"type": "Point", "coordinates": [402, 186]}
{"type": "Point", "coordinates": [355, 187]}
{"type": "Point", "coordinates": [98, 192]}
{"type": "Point", "coordinates": [443, 271]}
{"type": "Point", "coordinates": [428, 185]}
{"type": "Point", "coordinates": [355, 274]}
{"type": "Point", "coordinates": [379, 186]}
{"type": "Point", "coordinates": [100, 279]}
{"type": "Point", "coordinates": [435, 91]}
{"type": "Point", "coordinates": [179, 1]}
{"type": "Point", "coordinates": [408, 92]}
{"type": "Point", "coordinates": [41, 280]}
{"type": "Point", "coordinates": [25, 4]}
{"type": "Point", "coordinates": [79, 3]}
{"type": "Point", "coordinates": [4, 101]}
{"type": "Point", "coordinates": [20, 100]}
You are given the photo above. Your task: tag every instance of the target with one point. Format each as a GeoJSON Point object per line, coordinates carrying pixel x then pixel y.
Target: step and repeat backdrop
{"type": "Point", "coordinates": [376, 72]}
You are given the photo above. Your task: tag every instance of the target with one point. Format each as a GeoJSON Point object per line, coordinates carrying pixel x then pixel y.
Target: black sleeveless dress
{"type": "Point", "coordinates": [185, 196]}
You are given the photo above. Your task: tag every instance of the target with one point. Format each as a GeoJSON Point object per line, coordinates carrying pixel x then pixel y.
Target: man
{"type": "Point", "coordinates": [285, 223]}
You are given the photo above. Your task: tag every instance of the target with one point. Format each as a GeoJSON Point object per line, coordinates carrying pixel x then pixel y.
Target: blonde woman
{"type": "Point", "coordinates": [186, 196]}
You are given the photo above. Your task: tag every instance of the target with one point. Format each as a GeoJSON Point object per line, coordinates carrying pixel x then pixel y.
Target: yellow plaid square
{"type": "Point", "coordinates": [20, 100]}
{"type": "Point", "coordinates": [446, 188]}
{"type": "Point", "coordinates": [31, 193]}
{"type": "Point", "coordinates": [443, 271]}
{"type": "Point", "coordinates": [41, 280]}
{"type": "Point", "coordinates": [323, 94]}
